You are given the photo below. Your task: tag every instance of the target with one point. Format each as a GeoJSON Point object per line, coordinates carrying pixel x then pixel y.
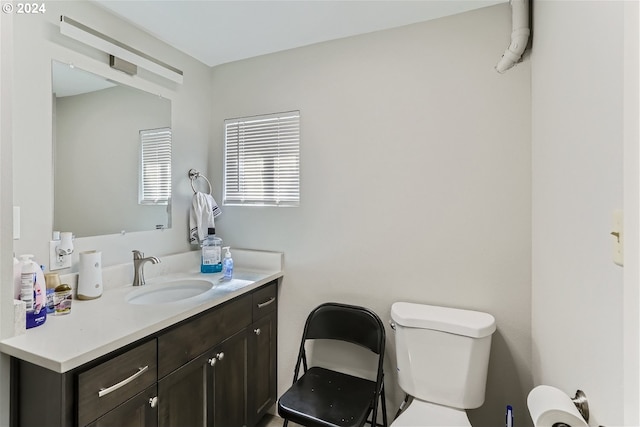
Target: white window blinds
{"type": "Point", "coordinates": [262, 160]}
{"type": "Point", "coordinates": [155, 168]}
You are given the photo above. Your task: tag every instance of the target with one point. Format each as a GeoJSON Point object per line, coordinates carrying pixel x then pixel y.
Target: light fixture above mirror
{"type": "Point", "coordinates": [117, 50]}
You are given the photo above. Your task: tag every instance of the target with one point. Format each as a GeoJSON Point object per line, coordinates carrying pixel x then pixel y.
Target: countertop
{"type": "Point", "coordinates": [94, 328]}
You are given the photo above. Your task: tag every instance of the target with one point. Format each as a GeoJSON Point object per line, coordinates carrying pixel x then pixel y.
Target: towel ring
{"type": "Point", "coordinates": [194, 175]}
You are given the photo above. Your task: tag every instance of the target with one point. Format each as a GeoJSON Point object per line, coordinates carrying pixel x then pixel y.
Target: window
{"type": "Point", "coordinates": [262, 160]}
{"type": "Point", "coordinates": [155, 167]}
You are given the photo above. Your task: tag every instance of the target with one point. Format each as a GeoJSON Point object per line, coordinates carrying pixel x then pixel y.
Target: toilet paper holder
{"type": "Point", "coordinates": [581, 402]}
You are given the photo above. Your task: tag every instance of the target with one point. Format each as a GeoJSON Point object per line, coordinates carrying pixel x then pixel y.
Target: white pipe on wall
{"type": "Point", "coordinates": [519, 35]}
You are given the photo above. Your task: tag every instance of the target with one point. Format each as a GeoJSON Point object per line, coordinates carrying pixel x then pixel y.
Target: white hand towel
{"type": "Point", "coordinates": [203, 211]}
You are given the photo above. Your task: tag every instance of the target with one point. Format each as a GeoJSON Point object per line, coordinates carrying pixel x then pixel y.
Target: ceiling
{"type": "Point", "coordinates": [219, 31]}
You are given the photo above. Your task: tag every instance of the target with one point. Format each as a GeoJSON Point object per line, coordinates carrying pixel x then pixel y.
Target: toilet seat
{"type": "Point", "coordinates": [425, 414]}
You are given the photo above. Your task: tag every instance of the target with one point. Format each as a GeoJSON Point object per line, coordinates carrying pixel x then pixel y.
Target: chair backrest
{"type": "Point", "coordinates": [357, 325]}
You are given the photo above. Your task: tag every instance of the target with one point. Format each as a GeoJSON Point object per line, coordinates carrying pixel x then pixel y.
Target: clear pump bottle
{"type": "Point", "coordinates": [227, 265]}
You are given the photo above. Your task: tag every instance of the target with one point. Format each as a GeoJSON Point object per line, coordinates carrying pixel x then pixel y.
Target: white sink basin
{"type": "Point", "coordinates": [167, 292]}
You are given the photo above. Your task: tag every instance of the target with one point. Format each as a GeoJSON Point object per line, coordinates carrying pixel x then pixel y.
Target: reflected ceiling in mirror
{"type": "Point", "coordinates": [97, 125]}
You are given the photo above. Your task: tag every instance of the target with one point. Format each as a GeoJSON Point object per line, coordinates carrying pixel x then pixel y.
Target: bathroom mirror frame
{"type": "Point", "coordinates": [96, 124]}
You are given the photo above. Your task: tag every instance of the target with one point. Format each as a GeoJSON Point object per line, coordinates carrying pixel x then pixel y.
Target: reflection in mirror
{"type": "Point", "coordinates": [98, 131]}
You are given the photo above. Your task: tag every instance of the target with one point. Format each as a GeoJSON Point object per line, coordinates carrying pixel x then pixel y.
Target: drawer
{"type": "Point", "coordinates": [265, 300]}
{"type": "Point", "coordinates": [138, 408]}
{"type": "Point", "coordinates": [107, 385]}
{"type": "Point", "coordinates": [192, 338]}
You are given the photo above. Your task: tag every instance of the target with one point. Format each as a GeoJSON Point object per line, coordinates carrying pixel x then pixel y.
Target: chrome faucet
{"type": "Point", "coordinates": [139, 261]}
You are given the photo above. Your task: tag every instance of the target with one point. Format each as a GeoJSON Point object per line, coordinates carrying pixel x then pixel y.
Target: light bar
{"type": "Point", "coordinates": [93, 38]}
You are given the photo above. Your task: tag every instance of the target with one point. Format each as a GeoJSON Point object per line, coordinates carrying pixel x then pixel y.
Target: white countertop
{"type": "Point", "coordinates": [94, 328]}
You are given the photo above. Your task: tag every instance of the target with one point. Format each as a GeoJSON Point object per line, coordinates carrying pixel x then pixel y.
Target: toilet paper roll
{"type": "Point", "coordinates": [549, 406]}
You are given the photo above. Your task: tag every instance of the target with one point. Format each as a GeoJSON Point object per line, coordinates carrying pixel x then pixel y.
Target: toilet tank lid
{"type": "Point", "coordinates": [474, 324]}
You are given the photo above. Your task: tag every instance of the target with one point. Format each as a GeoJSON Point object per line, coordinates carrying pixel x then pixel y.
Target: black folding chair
{"type": "Point", "coordinates": [323, 397]}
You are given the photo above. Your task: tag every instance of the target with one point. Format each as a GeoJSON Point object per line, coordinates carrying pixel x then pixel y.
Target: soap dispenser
{"type": "Point", "coordinates": [227, 265]}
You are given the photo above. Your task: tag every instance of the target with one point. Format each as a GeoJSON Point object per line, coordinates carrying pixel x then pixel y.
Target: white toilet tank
{"type": "Point", "coordinates": [442, 353]}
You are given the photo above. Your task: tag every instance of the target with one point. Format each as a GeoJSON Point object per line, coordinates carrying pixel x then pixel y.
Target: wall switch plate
{"type": "Point", "coordinates": [56, 263]}
{"type": "Point", "coordinates": [618, 235]}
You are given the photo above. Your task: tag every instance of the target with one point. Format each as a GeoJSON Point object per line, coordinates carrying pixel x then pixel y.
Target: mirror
{"type": "Point", "coordinates": [97, 128]}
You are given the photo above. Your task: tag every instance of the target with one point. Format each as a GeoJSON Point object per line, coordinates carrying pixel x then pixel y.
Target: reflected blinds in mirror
{"type": "Point", "coordinates": [155, 167]}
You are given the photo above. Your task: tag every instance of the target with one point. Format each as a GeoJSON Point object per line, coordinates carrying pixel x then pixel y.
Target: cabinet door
{"type": "Point", "coordinates": [183, 395]}
{"type": "Point", "coordinates": [230, 382]}
{"type": "Point", "coordinates": [209, 391]}
{"type": "Point", "coordinates": [263, 340]}
{"type": "Point", "coordinates": [139, 411]}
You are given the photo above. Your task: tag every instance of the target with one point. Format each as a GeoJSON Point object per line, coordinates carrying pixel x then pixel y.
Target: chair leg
{"type": "Point", "coordinates": [285, 423]}
{"type": "Point", "coordinates": [384, 407]}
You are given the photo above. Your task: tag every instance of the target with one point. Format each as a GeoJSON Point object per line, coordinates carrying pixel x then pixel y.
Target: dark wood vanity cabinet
{"type": "Point", "coordinates": [203, 368]}
{"type": "Point", "coordinates": [216, 369]}
{"type": "Point", "coordinates": [209, 390]}
{"type": "Point", "coordinates": [262, 354]}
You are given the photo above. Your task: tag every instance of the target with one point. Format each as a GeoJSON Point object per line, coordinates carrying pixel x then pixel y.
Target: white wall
{"type": "Point", "coordinates": [37, 42]}
{"type": "Point", "coordinates": [6, 208]}
{"type": "Point", "coordinates": [577, 139]}
{"type": "Point", "coordinates": [415, 160]}
{"type": "Point", "coordinates": [631, 196]}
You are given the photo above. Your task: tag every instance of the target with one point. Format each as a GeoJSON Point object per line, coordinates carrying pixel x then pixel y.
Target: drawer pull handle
{"type": "Point", "coordinates": [257, 331]}
{"type": "Point", "coordinates": [266, 303]}
{"type": "Point", "coordinates": [105, 391]}
{"type": "Point", "coordinates": [153, 402]}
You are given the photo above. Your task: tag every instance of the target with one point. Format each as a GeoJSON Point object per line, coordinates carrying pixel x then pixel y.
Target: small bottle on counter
{"type": "Point", "coordinates": [227, 265]}
{"type": "Point", "coordinates": [53, 281]}
{"type": "Point", "coordinates": [62, 299]}
{"type": "Point", "coordinates": [211, 260]}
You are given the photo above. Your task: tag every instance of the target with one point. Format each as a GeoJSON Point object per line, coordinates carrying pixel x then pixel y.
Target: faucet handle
{"type": "Point", "coordinates": [137, 254]}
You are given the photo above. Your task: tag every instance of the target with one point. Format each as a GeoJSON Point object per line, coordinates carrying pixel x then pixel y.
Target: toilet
{"type": "Point", "coordinates": [442, 361]}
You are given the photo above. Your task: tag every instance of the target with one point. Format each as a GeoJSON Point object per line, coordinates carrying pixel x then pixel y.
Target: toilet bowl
{"type": "Point", "coordinates": [442, 359]}
{"type": "Point", "coordinates": [426, 414]}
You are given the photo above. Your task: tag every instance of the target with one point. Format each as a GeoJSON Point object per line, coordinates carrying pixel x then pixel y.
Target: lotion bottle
{"type": "Point", "coordinates": [33, 291]}
{"type": "Point", "coordinates": [227, 265]}
{"type": "Point", "coordinates": [27, 282]}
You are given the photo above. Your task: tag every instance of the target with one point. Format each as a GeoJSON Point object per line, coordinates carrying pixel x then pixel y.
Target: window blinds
{"type": "Point", "coordinates": [262, 160]}
{"type": "Point", "coordinates": [155, 170]}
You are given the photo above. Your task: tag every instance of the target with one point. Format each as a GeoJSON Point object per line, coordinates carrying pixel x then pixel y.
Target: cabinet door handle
{"type": "Point", "coordinates": [267, 302]}
{"type": "Point", "coordinates": [153, 402]}
{"type": "Point", "coordinates": [257, 331]}
{"type": "Point", "coordinates": [105, 391]}
{"type": "Point", "coordinates": [217, 357]}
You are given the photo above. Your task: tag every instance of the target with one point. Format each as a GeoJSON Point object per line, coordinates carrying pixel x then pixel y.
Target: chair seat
{"type": "Point", "coordinates": [322, 397]}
